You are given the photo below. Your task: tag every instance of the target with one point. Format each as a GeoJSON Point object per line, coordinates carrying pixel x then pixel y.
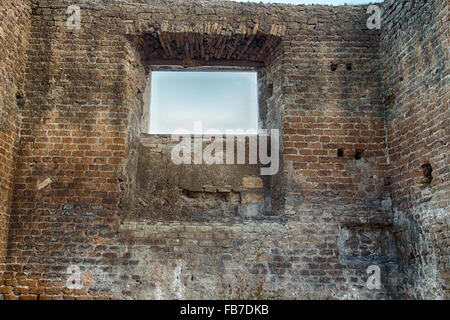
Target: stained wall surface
{"type": "Point", "coordinates": [14, 37]}
{"type": "Point", "coordinates": [416, 69]}
{"type": "Point", "coordinates": [93, 190]}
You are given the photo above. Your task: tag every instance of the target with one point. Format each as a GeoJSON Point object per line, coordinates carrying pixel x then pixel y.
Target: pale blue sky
{"type": "Point", "coordinates": [221, 100]}
{"type": "Point", "coordinates": [330, 2]}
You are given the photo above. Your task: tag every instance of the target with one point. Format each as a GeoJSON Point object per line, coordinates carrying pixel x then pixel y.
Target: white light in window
{"type": "Point", "coordinates": [219, 100]}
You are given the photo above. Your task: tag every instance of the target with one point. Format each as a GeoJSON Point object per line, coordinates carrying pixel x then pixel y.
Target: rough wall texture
{"type": "Point", "coordinates": [416, 80]}
{"type": "Point", "coordinates": [93, 190]}
{"type": "Point", "coordinates": [14, 33]}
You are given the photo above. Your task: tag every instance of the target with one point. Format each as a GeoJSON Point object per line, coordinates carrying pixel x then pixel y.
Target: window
{"type": "Point", "coordinates": [225, 101]}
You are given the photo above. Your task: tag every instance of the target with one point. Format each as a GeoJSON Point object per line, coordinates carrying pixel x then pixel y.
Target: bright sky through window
{"type": "Point", "coordinates": [220, 100]}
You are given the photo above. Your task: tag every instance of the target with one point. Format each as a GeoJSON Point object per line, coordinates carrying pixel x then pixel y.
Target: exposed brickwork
{"type": "Point", "coordinates": [168, 192]}
{"type": "Point", "coordinates": [14, 32]}
{"type": "Point", "coordinates": [93, 190]}
{"type": "Point", "coordinates": [74, 133]}
{"type": "Point", "coordinates": [416, 68]}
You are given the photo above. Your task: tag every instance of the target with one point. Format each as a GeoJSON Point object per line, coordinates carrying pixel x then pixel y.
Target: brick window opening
{"type": "Point", "coordinates": [224, 101]}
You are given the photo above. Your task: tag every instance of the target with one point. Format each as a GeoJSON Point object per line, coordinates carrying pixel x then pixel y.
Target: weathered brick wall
{"type": "Point", "coordinates": [334, 144]}
{"type": "Point", "coordinates": [14, 32]}
{"type": "Point", "coordinates": [80, 147]}
{"type": "Point", "coordinates": [73, 143]}
{"type": "Point", "coordinates": [415, 75]}
{"type": "Point", "coordinates": [334, 137]}
{"type": "Point", "coordinates": [82, 154]}
{"type": "Point", "coordinates": [166, 192]}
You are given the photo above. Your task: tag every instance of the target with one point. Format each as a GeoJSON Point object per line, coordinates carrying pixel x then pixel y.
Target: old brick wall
{"type": "Point", "coordinates": [334, 143]}
{"type": "Point", "coordinates": [73, 140]}
{"type": "Point", "coordinates": [415, 75]}
{"type": "Point", "coordinates": [80, 149]}
{"type": "Point", "coordinates": [14, 33]}
{"type": "Point", "coordinates": [83, 157]}
{"type": "Point", "coordinates": [165, 191]}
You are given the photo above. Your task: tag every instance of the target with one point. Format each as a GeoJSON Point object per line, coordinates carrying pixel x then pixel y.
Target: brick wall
{"type": "Point", "coordinates": [82, 154]}
{"type": "Point", "coordinates": [14, 32]}
{"type": "Point", "coordinates": [415, 75]}
{"type": "Point", "coordinates": [334, 144]}
{"type": "Point", "coordinates": [166, 192]}
{"type": "Point", "coordinates": [334, 136]}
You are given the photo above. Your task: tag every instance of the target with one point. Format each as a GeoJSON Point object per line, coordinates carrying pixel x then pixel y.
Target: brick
{"type": "Point", "coordinates": [82, 186]}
